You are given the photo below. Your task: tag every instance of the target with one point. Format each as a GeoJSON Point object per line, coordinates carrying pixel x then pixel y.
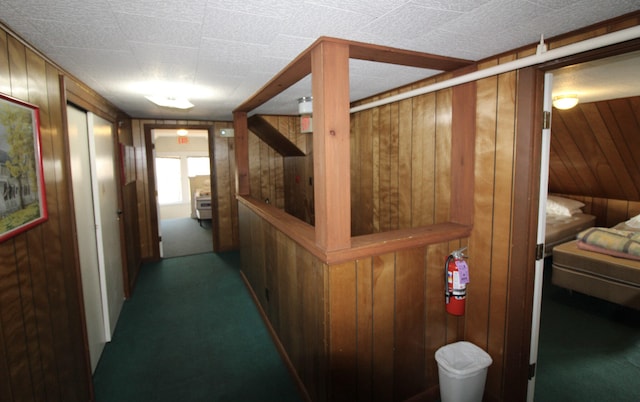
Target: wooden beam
{"type": "Point", "coordinates": [242, 153]}
{"type": "Point", "coordinates": [331, 147]}
{"type": "Point", "coordinates": [463, 140]}
{"type": "Point", "coordinates": [409, 58]}
{"type": "Point", "coordinates": [272, 137]}
{"type": "Point", "coordinates": [300, 67]}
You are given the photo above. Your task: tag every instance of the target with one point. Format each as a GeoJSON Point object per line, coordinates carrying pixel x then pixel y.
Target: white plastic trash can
{"type": "Point", "coordinates": [462, 372]}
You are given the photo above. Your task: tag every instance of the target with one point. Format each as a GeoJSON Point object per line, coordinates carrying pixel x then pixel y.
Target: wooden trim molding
{"type": "Point", "coordinates": [361, 246]}
{"type": "Point", "coordinates": [300, 67]}
{"type": "Point", "coordinates": [330, 240]}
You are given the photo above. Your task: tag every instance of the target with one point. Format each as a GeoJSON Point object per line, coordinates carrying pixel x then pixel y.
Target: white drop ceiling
{"type": "Point", "coordinates": [217, 53]}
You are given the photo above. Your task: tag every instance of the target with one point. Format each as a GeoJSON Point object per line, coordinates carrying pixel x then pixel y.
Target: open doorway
{"type": "Point", "coordinates": [183, 187]}
{"type": "Point", "coordinates": [589, 343]}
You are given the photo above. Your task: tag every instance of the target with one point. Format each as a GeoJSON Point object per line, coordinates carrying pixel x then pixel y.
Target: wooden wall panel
{"type": "Point", "coordinates": [396, 150]}
{"type": "Point", "coordinates": [594, 148]}
{"type": "Point", "coordinates": [383, 291]}
{"type": "Point", "coordinates": [364, 330]}
{"type": "Point", "coordinates": [296, 305]}
{"type": "Point", "coordinates": [410, 323]}
{"type": "Point", "coordinates": [377, 336]}
{"type": "Point", "coordinates": [422, 160]}
{"type": "Point", "coordinates": [41, 317]}
{"type": "Point", "coordinates": [502, 202]}
{"type": "Point", "coordinates": [143, 197]}
{"type": "Point", "coordinates": [287, 182]}
{"type": "Point", "coordinates": [343, 334]}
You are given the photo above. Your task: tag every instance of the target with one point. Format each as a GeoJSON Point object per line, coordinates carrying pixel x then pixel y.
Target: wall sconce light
{"type": "Point", "coordinates": [564, 102]}
{"type": "Point", "coordinates": [305, 110]}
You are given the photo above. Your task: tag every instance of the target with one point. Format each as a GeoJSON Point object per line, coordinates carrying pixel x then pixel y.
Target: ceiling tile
{"type": "Point", "coordinates": [136, 28]}
{"type": "Point", "coordinates": [409, 21]}
{"type": "Point", "coordinates": [240, 27]}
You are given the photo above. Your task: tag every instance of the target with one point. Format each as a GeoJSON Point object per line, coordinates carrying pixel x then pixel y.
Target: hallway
{"type": "Point", "coordinates": [191, 333]}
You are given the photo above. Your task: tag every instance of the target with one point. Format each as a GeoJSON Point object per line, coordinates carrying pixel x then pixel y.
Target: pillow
{"type": "Point", "coordinates": [563, 206]}
{"type": "Point", "coordinates": [634, 222]}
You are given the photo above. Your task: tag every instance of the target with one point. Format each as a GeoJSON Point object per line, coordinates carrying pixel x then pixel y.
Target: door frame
{"type": "Point", "coordinates": [151, 191]}
{"type": "Point", "coordinates": [530, 117]}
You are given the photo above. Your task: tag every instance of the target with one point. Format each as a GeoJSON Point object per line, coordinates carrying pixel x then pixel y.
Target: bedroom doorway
{"type": "Point", "coordinates": [594, 82]}
{"type": "Point", "coordinates": [183, 184]}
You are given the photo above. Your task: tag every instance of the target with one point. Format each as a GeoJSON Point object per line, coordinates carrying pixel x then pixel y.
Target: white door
{"type": "Point", "coordinates": [542, 216]}
{"type": "Point", "coordinates": [105, 195]}
{"type": "Point", "coordinates": [86, 229]}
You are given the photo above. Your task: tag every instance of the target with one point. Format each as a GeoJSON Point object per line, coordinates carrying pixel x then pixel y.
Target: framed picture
{"type": "Point", "coordinates": [22, 196]}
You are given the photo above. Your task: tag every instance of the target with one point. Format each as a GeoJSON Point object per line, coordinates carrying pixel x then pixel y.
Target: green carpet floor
{"type": "Point", "coordinates": [191, 332]}
{"type": "Point", "coordinates": [185, 236]}
{"type": "Point", "coordinates": [589, 349]}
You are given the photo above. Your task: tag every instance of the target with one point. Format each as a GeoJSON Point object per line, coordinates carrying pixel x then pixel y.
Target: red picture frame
{"type": "Point", "coordinates": [23, 202]}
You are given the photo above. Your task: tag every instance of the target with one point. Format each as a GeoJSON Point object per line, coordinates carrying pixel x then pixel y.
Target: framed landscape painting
{"type": "Point", "coordinates": [22, 196]}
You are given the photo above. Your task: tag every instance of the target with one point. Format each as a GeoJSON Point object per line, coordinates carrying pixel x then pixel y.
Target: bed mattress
{"type": "Point", "coordinates": [600, 275]}
{"type": "Point", "coordinates": [560, 228]}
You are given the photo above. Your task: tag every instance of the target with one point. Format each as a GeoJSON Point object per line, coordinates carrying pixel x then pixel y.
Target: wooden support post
{"type": "Point", "coordinates": [463, 141]}
{"type": "Point", "coordinates": [241, 142]}
{"type": "Point", "coordinates": [331, 131]}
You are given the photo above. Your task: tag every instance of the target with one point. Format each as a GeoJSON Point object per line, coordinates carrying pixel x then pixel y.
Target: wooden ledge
{"type": "Point", "coordinates": [361, 246]}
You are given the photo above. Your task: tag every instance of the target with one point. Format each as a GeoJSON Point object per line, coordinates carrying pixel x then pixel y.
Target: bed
{"type": "Point", "coordinates": [602, 262]}
{"type": "Point", "coordinates": [564, 220]}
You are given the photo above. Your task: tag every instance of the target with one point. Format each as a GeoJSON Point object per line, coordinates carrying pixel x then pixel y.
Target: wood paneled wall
{"type": "Point", "coordinates": [43, 356]}
{"type": "Point", "coordinates": [595, 148]}
{"type": "Point", "coordinates": [223, 163]}
{"type": "Point", "coordinates": [359, 330]}
{"type": "Point", "coordinates": [130, 203]}
{"type": "Point", "coordinates": [287, 182]}
{"type": "Point", "coordinates": [400, 164]}
{"type": "Point", "coordinates": [382, 319]}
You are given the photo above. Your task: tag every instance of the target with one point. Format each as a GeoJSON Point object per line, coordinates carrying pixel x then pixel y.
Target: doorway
{"type": "Point", "coordinates": [182, 176]}
{"type": "Point", "coordinates": [577, 332]}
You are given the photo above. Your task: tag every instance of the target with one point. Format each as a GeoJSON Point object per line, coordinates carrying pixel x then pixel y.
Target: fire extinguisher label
{"type": "Point", "coordinates": [456, 281]}
{"type": "Point", "coordinates": [463, 269]}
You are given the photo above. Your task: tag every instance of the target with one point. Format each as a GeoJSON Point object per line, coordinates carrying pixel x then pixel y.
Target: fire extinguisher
{"type": "Point", "coordinates": [456, 278]}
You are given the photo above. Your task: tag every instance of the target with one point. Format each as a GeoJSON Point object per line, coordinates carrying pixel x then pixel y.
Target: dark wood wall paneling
{"type": "Point", "coordinates": [359, 330]}
{"type": "Point", "coordinates": [595, 150]}
{"type": "Point", "coordinates": [130, 203]}
{"type": "Point", "coordinates": [221, 153]}
{"type": "Point", "coordinates": [287, 182]}
{"type": "Point", "coordinates": [396, 151]}
{"type": "Point", "coordinates": [43, 355]}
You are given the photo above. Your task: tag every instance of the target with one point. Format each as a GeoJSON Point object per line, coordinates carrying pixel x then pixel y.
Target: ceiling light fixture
{"type": "Point", "coordinates": [182, 132]}
{"type": "Point", "coordinates": [167, 101]}
{"type": "Point", "coordinates": [564, 102]}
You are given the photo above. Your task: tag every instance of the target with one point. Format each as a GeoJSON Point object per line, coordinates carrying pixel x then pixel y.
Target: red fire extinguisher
{"type": "Point", "coordinates": [455, 282]}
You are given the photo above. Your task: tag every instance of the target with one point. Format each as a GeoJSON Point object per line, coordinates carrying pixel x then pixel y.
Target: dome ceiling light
{"type": "Point", "coordinates": [564, 102]}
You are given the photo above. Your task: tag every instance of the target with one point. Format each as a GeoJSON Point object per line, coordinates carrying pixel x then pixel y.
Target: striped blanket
{"type": "Point", "coordinates": [620, 241]}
